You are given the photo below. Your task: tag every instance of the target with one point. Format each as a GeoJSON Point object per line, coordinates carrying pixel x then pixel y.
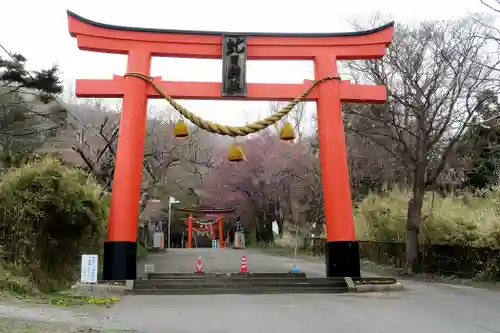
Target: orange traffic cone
{"type": "Point", "coordinates": [243, 267]}
{"type": "Point", "coordinates": [199, 265]}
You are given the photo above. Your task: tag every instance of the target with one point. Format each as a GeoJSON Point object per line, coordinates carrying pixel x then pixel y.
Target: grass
{"type": "Point", "coordinates": [142, 251]}
{"type": "Point", "coordinates": [64, 300]}
{"type": "Point", "coordinates": [21, 288]}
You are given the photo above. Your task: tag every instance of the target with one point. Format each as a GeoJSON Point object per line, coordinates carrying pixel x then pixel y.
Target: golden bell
{"type": "Point", "coordinates": [287, 133]}
{"type": "Point", "coordinates": [235, 154]}
{"type": "Point", "coordinates": [181, 129]}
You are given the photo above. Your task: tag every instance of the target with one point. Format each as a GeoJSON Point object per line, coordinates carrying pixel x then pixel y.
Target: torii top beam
{"type": "Point", "coordinates": [100, 37]}
{"type": "Point", "coordinates": [206, 211]}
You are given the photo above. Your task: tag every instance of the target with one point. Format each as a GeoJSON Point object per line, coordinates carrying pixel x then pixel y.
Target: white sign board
{"type": "Point", "coordinates": [158, 240]}
{"type": "Point", "coordinates": [90, 264]}
{"type": "Point", "coordinates": [214, 243]}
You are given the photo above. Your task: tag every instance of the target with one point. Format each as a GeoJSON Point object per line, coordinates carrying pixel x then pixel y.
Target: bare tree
{"type": "Point", "coordinates": [167, 161]}
{"type": "Point", "coordinates": [434, 74]}
{"type": "Point", "coordinates": [95, 141]}
{"type": "Point", "coordinates": [494, 5]}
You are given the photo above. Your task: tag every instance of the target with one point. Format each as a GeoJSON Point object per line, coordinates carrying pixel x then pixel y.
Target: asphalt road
{"type": "Point", "coordinates": [424, 307]}
{"type": "Point", "coordinates": [224, 261]}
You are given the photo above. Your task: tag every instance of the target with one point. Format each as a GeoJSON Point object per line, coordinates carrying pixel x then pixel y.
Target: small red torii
{"type": "Point", "coordinates": [141, 44]}
{"type": "Point", "coordinates": [203, 212]}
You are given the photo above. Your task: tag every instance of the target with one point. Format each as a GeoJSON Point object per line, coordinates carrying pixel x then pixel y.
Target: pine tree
{"type": "Point", "coordinates": [29, 111]}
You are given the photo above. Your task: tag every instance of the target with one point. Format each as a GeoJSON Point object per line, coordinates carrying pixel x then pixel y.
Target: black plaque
{"type": "Point", "coordinates": [234, 65]}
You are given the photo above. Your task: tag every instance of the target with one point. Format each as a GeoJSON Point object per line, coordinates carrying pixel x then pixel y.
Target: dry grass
{"type": "Point", "coordinates": [467, 220]}
{"type": "Point", "coordinates": [460, 220]}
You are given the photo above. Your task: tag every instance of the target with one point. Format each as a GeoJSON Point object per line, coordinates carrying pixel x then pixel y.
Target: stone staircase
{"type": "Point", "coordinates": [235, 283]}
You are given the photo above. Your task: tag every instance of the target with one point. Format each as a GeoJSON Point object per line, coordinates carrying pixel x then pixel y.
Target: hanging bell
{"type": "Point", "coordinates": [287, 133]}
{"type": "Point", "coordinates": [235, 154]}
{"type": "Point", "coordinates": [181, 129]}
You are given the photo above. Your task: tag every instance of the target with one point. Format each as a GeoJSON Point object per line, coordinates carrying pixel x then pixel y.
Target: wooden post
{"type": "Point", "coordinates": [213, 229]}
{"type": "Point", "coordinates": [190, 231]}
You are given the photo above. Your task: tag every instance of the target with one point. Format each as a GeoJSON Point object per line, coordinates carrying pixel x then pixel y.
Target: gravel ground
{"type": "Point", "coordinates": [30, 316]}
{"type": "Point", "coordinates": [11, 325]}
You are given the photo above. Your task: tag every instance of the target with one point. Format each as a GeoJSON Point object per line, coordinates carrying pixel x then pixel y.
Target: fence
{"type": "Point", "coordinates": [461, 261]}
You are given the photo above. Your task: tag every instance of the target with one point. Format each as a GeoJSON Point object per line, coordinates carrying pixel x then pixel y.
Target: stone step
{"type": "Point", "coordinates": [157, 276]}
{"type": "Point", "coordinates": [212, 282]}
{"type": "Point", "coordinates": [245, 286]}
{"type": "Point", "coordinates": [235, 283]}
{"type": "Point", "coordinates": [241, 291]}
{"type": "Point", "coordinates": [374, 280]}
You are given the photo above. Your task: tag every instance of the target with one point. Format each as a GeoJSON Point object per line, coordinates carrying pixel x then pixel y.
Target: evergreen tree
{"type": "Point", "coordinates": [29, 111]}
{"type": "Point", "coordinates": [480, 145]}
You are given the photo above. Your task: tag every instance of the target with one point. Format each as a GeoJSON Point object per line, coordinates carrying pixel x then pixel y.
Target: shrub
{"type": "Point", "coordinates": [467, 220]}
{"type": "Point", "coordinates": [50, 215]}
{"type": "Point", "coordinates": [13, 283]}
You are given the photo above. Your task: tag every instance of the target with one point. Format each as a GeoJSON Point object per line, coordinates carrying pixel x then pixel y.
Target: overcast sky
{"type": "Point", "coordinates": [39, 30]}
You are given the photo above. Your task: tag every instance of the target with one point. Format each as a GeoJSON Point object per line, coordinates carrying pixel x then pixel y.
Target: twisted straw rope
{"type": "Point", "coordinates": [233, 131]}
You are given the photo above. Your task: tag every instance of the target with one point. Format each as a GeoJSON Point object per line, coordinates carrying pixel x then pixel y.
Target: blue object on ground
{"type": "Point", "coordinates": [294, 269]}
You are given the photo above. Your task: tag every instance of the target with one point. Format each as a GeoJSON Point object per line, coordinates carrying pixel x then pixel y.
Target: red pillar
{"type": "Point", "coordinates": [120, 247]}
{"type": "Point", "coordinates": [342, 250]}
{"type": "Point", "coordinates": [221, 231]}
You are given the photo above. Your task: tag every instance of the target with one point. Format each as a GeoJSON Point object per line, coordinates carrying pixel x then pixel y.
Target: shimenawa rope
{"type": "Point", "coordinates": [233, 131]}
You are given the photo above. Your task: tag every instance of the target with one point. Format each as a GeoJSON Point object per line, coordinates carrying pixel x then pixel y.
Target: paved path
{"type": "Point", "coordinates": [425, 307]}
{"type": "Point", "coordinates": [225, 261]}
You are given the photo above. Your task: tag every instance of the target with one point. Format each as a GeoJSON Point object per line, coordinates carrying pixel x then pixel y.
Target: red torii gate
{"type": "Point", "coordinates": [203, 212]}
{"type": "Point", "coordinates": [140, 44]}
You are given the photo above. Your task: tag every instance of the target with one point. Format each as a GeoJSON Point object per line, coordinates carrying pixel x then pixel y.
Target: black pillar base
{"type": "Point", "coordinates": [342, 259]}
{"type": "Point", "coordinates": [120, 261]}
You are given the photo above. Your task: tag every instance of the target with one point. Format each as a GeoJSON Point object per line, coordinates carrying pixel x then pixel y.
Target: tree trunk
{"type": "Point", "coordinates": [280, 226]}
{"type": "Point", "coordinates": [279, 219]}
{"type": "Point", "coordinates": [414, 215]}
{"type": "Point", "coordinates": [414, 218]}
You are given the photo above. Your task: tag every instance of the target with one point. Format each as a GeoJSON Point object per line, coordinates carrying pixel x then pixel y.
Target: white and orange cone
{"type": "Point", "coordinates": [243, 267]}
{"type": "Point", "coordinates": [199, 265]}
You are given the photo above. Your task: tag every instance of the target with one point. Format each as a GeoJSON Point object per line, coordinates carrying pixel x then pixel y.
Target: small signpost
{"type": "Point", "coordinates": [214, 243]}
{"type": "Point", "coordinates": [89, 267]}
